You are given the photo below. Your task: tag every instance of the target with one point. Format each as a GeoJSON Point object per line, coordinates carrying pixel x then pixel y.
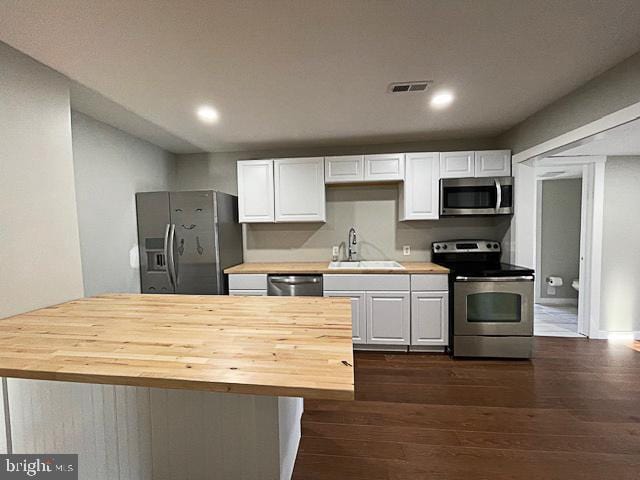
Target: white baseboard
{"type": "Point", "coordinates": [380, 348]}
{"type": "Point", "coordinates": [606, 335]}
{"type": "Point", "coordinates": [424, 349]}
{"type": "Point", "coordinates": [558, 301]}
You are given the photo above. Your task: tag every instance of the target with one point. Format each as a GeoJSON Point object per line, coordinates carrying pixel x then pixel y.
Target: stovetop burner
{"type": "Point", "coordinates": [475, 258]}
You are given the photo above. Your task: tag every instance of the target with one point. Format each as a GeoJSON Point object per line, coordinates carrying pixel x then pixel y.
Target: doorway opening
{"type": "Point", "coordinates": [558, 243]}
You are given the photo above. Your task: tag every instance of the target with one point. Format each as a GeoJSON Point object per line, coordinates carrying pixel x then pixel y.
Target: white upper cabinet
{"type": "Point", "coordinates": [420, 191]}
{"type": "Point", "coordinates": [255, 191]}
{"type": "Point", "coordinates": [457, 164]}
{"type": "Point", "coordinates": [384, 167]}
{"type": "Point", "coordinates": [344, 169]}
{"type": "Point", "coordinates": [493, 163]}
{"type": "Point", "coordinates": [299, 189]}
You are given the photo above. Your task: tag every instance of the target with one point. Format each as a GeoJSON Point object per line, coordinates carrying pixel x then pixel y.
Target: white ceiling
{"type": "Point", "coordinates": [308, 72]}
{"type": "Point", "coordinates": [622, 140]}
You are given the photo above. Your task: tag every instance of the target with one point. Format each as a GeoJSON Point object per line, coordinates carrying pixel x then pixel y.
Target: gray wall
{"type": "Point", "coordinates": [614, 89]}
{"type": "Point", "coordinates": [110, 167]}
{"type": "Point", "coordinates": [40, 252]}
{"type": "Point", "coordinates": [620, 297]}
{"type": "Point", "coordinates": [372, 210]}
{"type": "Point", "coordinates": [560, 234]}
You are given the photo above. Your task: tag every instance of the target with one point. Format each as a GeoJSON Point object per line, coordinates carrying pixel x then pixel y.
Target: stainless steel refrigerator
{"type": "Point", "coordinates": [186, 240]}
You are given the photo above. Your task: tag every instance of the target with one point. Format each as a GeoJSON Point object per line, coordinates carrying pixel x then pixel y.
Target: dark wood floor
{"type": "Point", "coordinates": [571, 413]}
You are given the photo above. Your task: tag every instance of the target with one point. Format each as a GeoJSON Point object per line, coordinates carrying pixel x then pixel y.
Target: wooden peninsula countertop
{"type": "Point", "coordinates": [323, 268]}
{"type": "Point", "coordinates": [280, 346]}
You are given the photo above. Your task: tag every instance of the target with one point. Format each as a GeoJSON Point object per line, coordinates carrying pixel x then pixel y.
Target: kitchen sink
{"type": "Point", "coordinates": [367, 265]}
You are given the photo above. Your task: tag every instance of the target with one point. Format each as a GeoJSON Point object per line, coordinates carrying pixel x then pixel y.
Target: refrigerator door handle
{"type": "Point", "coordinates": [167, 254]}
{"type": "Point", "coordinates": [171, 259]}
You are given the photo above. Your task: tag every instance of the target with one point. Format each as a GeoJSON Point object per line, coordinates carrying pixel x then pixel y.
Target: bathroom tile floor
{"type": "Point", "coordinates": [556, 321]}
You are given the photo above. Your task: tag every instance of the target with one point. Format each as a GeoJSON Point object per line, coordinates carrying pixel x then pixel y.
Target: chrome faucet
{"type": "Point", "coordinates": [351, 242]}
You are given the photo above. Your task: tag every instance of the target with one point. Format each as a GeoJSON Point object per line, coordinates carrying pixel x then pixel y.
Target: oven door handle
{"type": "Point", "coordinates": [520, 278]}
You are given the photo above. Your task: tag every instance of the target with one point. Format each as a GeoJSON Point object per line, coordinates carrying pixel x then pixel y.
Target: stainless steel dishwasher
{"type": "Point", "coordinates": [294, 285]}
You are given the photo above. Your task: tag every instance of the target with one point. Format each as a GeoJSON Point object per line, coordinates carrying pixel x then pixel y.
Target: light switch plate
{"type": "Point", "coordinates": [335, 251]}
{"type": "Point", "coordinates": [406, 250]}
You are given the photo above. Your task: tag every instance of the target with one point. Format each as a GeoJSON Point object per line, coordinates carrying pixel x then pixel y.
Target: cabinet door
{"type": "Point", "coordinates": [358, 313]}
{"type": "Point", "coordinates": [299, 185]}
{"type": "Point", "coordinates": [388, 318]}
{"type": "Point", "coordinates": [429, 318]}
{"type": "Point", "coordinates": [420, 191]}
{"type": "Point", "coordinates": [384, 167]}
{"type": "Point", "coordinates": [255, 191]}
{"type": "Point", "coordinates": [347, 168]}
{"type": "Point", "coordinates": [457, 164]}
{"type": "Point", "coordinates": [493, 163]}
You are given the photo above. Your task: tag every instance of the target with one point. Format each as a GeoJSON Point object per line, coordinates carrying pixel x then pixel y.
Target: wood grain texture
{"type": "Point", "coordinates": [323, 267]}
{"type": "Point", "coordinates": [573, 412]}
{"type": "Point", "coordinates": [283, 346]}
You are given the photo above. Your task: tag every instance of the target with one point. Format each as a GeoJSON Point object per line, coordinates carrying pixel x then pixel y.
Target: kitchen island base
{"type": "Point", "coordinates": [123, 432]}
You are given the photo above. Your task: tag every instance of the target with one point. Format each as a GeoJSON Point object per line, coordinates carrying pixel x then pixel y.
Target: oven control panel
{"type": "Point", "coordinates": [466, 246]}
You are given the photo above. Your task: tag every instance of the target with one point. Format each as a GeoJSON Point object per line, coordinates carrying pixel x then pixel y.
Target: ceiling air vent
{"type": "Point", "coordinates": [402, 87]}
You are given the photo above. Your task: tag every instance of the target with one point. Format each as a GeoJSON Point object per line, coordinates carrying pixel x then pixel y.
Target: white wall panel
{"type": "Point", "coordinates": [3, 419]}
{"type": "Point", "coordinates": [109, 427]}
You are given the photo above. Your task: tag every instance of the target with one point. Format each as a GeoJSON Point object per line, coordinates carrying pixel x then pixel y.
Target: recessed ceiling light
{"type": "Point", "coordinates": [441, 99]}
{"type": "Point", "coordinates": [208, 114]}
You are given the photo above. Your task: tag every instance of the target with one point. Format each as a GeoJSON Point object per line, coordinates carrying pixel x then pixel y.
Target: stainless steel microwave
{"type": "Point", "coordinates": [476, 196]}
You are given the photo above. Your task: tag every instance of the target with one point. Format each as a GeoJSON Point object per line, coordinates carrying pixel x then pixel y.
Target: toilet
{"type": "Point", "coordinates": [576, 284]}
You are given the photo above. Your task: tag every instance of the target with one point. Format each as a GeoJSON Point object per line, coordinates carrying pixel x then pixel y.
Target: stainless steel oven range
{"type": "Point", "coordinates": [492, 302]}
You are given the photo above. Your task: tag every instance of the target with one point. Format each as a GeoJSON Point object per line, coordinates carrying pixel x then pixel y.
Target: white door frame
{"type": "Point", "coordinates": [523, 225]}
{"type": "Point", "coordinates": [592, 203]}
{"type": "Point", "coordinates": [575, 172]}
{"type": "Point", "coordinates": [579, 135]}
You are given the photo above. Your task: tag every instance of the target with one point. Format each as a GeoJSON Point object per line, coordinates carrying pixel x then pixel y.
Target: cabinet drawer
{"type": "Point", "coordinates": [248, 282]}
{"type": "Point", "coordinates": [430, 282]}
{"type": "Point", "coordinates": [366, 282]}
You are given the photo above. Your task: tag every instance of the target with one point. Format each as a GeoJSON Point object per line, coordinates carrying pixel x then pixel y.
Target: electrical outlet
{"type": "Point", "coordinates": [335, 251]}
{"type": "Point", "coordinates": [406, 250]}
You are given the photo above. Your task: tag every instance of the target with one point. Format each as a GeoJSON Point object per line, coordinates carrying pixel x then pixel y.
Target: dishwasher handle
{"type": "Point", "coordinates": [294, 281]}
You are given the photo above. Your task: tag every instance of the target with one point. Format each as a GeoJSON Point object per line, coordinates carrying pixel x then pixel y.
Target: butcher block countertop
{"type": "Point", "coordinates": [280, 346]}
{"type": "Point", "coordinates": [323, 268]}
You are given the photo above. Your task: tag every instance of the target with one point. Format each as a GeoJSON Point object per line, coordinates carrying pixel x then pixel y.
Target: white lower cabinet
{"type": "Point", "coordinates": [395, 310]}
{"type": "Point", "coordinates": [430, 318]}
{"type": "Point", "coordinates": [388, 318]}
{"type": "Point", "coordinates": [358, 313]}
